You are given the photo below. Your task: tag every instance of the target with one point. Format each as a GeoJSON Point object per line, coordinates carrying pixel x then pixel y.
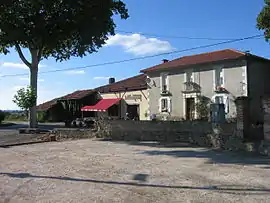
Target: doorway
{"type": "Point", "coordinates": [190, 108]}
{"type": "Point", "coordinates": [133, 112]}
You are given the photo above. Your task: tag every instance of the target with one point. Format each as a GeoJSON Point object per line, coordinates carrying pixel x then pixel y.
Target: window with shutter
{"type": "Point", "coordinates": [164, 82]}
{"type": "Point", "coordinates": [165, 104]}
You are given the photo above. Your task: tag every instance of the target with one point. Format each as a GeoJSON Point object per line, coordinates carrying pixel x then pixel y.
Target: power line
{"type": "Point", "coordinates": [178, 37]}
{"type": "Point", "coordinates": [140, 58]}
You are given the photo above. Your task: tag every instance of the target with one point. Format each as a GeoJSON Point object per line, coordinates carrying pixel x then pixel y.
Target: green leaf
{"type": "Point", "coordinates": [59, 28]}
{"type": "Point", "coordinates": [263, 20]}
{"type": "Point", "coordinates": [25, 98]}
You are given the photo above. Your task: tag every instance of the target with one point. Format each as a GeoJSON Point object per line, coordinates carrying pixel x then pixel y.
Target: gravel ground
{"type": "Point", "coordinates": [95, 171]}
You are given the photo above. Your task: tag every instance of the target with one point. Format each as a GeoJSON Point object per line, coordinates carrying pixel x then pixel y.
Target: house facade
{"type": "Point", "coordinates": [175, 87]}
{"type": "Point", "coordinates": [133, 94]}
{"type": "Point", "coordinates": [121, 97]}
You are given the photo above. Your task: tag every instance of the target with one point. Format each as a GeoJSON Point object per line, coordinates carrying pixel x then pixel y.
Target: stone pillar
{"type": "Point", "coordinates": [266, 110]}
{"type": "Point", "coordinates": [242, 111]}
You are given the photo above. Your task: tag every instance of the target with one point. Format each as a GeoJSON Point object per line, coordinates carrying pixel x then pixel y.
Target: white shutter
{"type": "Point", "coordinates": [192, 77]}
{"type": "Point", "coordinates": [167, 81]}
{"type": "Point", "coordinates": [185, 77]}
{"type": "Point", "coordinates": [226, 103]}
{"type": "Point", "coordinates": [214, 79]}
{"type": "Point", "coordinates": [169, 105]}
{"type": "Point", "coordinates": [161, 82]}
{"type": "Point", "coordinates": [159, 105]}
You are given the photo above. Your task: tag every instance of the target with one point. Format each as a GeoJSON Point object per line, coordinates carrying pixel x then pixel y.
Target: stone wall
{"type": "Point", "coordinates": [196, 132]}
{"type": "Point", "coordinates": [72, 133]}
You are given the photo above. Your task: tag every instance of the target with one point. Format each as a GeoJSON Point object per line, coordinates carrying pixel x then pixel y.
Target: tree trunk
{"type": "Point", "coordinates": [33, 84]}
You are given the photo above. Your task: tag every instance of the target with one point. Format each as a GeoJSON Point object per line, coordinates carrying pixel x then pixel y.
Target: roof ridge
{"type": "Point", "coordinates": [120, 81]}
{"type": "Point", "coordinates": [235, 50]}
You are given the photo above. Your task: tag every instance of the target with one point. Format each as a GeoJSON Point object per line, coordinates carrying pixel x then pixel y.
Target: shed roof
{"type": "Point", "coordinates": [137, 82]}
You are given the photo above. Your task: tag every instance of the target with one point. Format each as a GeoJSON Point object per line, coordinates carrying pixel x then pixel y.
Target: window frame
{"type": "Point", "coordinates": [164, 78]}
{"type": "Point", "coordinates": [169, 104]}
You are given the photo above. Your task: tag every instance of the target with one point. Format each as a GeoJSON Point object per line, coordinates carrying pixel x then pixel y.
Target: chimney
{"type": "Point", "coordinates": [165, 60]}
{"type": "Point", "coordinates": [111, 80]}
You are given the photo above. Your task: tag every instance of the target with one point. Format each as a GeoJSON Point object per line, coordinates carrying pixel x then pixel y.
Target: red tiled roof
{"type": "Point", "coordinates": [47, 105]}
{"type": "Point", "coordinates": [130, 84]}
{"type": "Point", "coordinates": [215, 56]}
{"type": "Point", "coordinates": [79, 94]}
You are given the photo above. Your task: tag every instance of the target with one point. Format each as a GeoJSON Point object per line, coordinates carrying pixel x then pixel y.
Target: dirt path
{"type": "Point", "coordinates": [92, 171]}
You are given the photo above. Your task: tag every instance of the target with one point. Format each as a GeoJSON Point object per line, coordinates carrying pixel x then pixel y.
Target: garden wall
{"type": "Point", "coordinates": [205, 134]}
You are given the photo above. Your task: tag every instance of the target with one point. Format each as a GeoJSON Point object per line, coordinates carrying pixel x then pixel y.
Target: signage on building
{"type": "Point", "coordinates": [133, 97]}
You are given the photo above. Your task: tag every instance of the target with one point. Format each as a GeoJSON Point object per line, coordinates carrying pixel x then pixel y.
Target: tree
{"type": "Point", "coordinates": [56, 28]}
{"type": "Point", "coordinates": [263, 20]}
{"type": "Point", "coordinates": [25, 98]}
{"type": "Point", "coordinates": [202, 107]}
{"type": "Point", "coordinates": [2, 116]}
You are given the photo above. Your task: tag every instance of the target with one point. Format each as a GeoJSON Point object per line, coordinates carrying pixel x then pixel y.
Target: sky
{"type": "Point", "coordinates": [151, 29]}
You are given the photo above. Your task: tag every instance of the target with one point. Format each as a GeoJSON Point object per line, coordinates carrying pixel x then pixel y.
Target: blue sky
{"type": "Point", "coordinates": [187, 18]}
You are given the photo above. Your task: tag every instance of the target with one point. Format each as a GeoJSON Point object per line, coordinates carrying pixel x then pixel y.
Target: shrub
{"type": "Point", "coordinates": [203, 107]}
{"type": "Point", "coordinates": [42, 116]}
{"type": "Point", "coordinates": [2, 116]}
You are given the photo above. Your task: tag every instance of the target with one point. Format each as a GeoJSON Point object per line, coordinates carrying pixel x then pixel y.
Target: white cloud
{"type": "Point", "coordinates": [18, 65]}
{"type": "Point", "coordinates": [101, 78]}
{"type": "Point", "coordinates": [139, 45]}
{"type": "Point", "coordinates": [75, 72]}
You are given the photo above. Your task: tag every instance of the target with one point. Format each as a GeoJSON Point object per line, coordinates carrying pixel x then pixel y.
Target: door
{"type": "Point", "coordinates": [133, 112]}
{"type": "Point", "coordinates": [190, 108]}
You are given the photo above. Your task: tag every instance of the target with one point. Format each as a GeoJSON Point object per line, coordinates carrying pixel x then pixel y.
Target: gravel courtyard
{"type": "Point", "coordinates": [96, 171]}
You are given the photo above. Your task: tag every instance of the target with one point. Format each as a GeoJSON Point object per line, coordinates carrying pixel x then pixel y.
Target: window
{"type": "Point", "coordinates": [189, 76]}
{"type": "Point", "coordinates": [164, 82]}
{"type": "Point", "coordinates": [219, 77]}
{"type": "Point", "coordinates": [165, 104]}
{"type": "Point", "coordinates": [223, 99]}
{"type": "Point", "coordinates": [219, 100]}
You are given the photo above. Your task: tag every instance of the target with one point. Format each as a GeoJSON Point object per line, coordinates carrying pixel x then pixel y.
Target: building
{"type": "Point", "coordinates": [67, 107]}
{"type": "Point", "coordinates": [133, 94]}
{"type": "Point", "coordinates": [116, 99]}
{"type": "Point", "coordinates": [174, 87]}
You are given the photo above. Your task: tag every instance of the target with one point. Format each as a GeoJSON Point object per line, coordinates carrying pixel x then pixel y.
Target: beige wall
{"type": "Point", "coordinates": [234, 75]}
{"type": "Point", "coordinates": [127, 96]}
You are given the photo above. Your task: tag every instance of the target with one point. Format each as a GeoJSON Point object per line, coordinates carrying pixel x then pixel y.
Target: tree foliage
{"type": "Point", "coordinates": [202, 107]}
{"type": "Point", "coordinates": [2, 116]}
{"type": "Point", "coordinates": [25, 98]}
{"type": "Point", "coordinates": [263, 20]}
{"type": "Point", "coordinates": [58, 28]}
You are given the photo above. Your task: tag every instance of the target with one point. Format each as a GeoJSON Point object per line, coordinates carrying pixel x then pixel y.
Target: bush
{"type": "Point", "coordinates": [42, 117]}
{"type": "Point", "coordinates": [2, 116]}
{"type": "Point", "coordinates": [16, 117]}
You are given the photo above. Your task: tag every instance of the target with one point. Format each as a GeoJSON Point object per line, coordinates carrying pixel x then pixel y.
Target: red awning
{"type": "Point", "coordinates": [102, 105]}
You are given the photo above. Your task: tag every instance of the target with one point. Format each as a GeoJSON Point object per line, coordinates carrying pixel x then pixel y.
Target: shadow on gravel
{"type": "Point", "coordinates": [223, 189]}
{"type": "Point", "coordinates": [155, 144]}
{"type": "Point", "coordinates": [213, 156]}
